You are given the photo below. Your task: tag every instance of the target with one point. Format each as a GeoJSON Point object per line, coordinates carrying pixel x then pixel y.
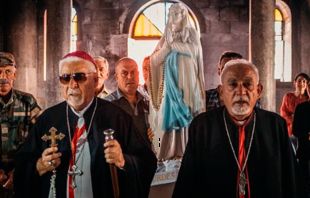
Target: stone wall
{"type": "Point", "coordinates": [226, 29]}
{"type": "Point", "coordinates": [104, 29]}
{"type": "Point", "coordinates": [305, 38]}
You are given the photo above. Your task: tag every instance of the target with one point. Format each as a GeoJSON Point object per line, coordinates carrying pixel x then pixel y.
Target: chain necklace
{"type": "Point", "coordinates": [87, 131]}
{"type": "Point", "coordinates": [242, 177]}
{"type": "Point", "coordinates": [156, 98]}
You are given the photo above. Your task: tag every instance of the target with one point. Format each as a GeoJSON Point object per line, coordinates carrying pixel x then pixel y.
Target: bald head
{"type": "Point", "coordinates": [125, 61]}
{"type": "Point", "coordinates": [127, 75]}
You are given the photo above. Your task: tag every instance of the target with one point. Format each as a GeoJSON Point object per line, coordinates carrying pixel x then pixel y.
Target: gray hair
{"type": "Point", "coordinates": [71, 59]}
{"type": "Point", "coordinates": [104, 60]}
{"type": "Point", "coordinates": [236, 62]}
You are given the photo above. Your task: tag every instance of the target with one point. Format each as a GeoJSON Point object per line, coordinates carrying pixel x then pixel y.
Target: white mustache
{"type": "Point", "coordinates": [73, 91]}
{"type": "Point", "coordinates": [240, 99]}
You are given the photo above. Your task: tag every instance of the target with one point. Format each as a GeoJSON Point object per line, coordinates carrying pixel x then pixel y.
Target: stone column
{"type": "Point", "coordinates": [261, 48]}
{"type": "Point", "coordinates": [58, 44]}
{"type": "Point", "coordinates": [21, 40]}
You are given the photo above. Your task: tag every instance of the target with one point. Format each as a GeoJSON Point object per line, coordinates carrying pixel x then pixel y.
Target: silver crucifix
{"type": "Point", "coordinates": [242, 183]}
{"type": "Point", "coordinates": [74, 172]}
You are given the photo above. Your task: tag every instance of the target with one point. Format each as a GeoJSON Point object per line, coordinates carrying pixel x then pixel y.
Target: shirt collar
{"type": "Point", "coordinates": [120, 95]}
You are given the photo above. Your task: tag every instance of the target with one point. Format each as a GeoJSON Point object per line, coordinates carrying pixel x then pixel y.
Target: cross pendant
{"type": "Point", "coordinates": [242, 183]}
{"type": "Point", "coordinates": [53, 137]}
{"type": "Point", "coordinates": [74, 172]}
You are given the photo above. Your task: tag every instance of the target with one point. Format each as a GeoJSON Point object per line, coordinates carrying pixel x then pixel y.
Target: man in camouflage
{"type": "Point", "coordinates": [18, 112]}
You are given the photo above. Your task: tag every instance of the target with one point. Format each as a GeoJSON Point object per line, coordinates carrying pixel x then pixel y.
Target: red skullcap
{"type": "Point", "coordinates": [80, 54]}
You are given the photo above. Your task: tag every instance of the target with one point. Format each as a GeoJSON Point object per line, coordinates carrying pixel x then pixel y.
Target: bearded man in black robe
{"type": "Point", "coordinates": [81, 158]}
{"type": "Point", "coordinates": [238, 150]}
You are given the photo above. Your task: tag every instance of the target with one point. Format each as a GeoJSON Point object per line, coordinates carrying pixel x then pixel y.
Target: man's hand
{"type": "Point", "coordinates": [150, 134]}
{"type": "Point", "coordinates": [49, 160]}
{"type": "Point", "coordinates": [113, 153]}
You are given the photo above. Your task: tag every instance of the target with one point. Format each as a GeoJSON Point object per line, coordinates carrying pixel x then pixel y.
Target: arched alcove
{"type": "Point", "coordinates": [147, 26]}
{"type": "Point", "coordinates": [283, 42]}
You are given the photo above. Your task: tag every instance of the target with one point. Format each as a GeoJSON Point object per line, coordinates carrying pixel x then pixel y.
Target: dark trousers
{"type": "Point", "coordinates": [305, 170]}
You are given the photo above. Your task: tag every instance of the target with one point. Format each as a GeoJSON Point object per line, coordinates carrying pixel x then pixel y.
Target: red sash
{"type": "Point", "coordinates": [77, 134]}
{"type": "Point", "coordinates": [241, 159]}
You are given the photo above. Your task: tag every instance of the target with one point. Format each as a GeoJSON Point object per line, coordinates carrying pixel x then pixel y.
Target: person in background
{"type": "Point", "coordinates": [291, 100]}
{"type": "Point", "coordinates": [238, 150]}
{"type": "Point", "coordinates": [102, 66]}
{"type": "Point", "coordinates": [129, 99]}
{"type": "Point", "coordinates": [82, 159]}
{"type": "Point", "coordinates": [19, 111]}
{"type": "Point", "coordinates": [146, 70]}
{"type": "Point", "coordinates": [212, 95]}
{"type": "Point", "coordinates": [301, 130]}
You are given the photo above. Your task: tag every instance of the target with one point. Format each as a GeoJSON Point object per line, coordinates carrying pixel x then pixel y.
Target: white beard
{"type": "Point", "coordinates": [241, 110]}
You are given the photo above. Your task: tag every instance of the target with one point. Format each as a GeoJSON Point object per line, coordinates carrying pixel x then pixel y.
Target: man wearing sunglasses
{"type": "Point", "coordinates": [82, 158]}
{"type": "Point", "coordinates": [18, 113]}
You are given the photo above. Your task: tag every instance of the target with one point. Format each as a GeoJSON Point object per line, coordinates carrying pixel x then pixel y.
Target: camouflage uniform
{"type": "Point", "coordinates": [18, 112]}
{"type": "Point", "coordinates": [17, 116]}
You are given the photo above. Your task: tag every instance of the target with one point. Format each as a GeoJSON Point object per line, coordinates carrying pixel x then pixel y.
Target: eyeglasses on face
{"type": "Point", "coordinates": [77, 77]}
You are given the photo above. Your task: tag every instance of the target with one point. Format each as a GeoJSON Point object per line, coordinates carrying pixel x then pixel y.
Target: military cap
{"type": "Point", "coordinates": [7, 59]}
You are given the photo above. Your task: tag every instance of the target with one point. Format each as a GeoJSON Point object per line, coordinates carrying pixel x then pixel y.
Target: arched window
{"type": "Point", "coordinates": [283, 40]}
{"type": "Point", "coordinates": [74, 29]}
{"type": "Point", "coordinates": [279, 52]}
{"type": "Point", "coordinates": [147, 27]}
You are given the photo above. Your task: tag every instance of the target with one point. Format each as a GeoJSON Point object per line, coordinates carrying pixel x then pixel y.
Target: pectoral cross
{"type": "Point", "coordinates": [242, 183]}
{"type": "Point", "coordinates": [53, 137]}
{"type": "Point", "coordinates": [74, 172]}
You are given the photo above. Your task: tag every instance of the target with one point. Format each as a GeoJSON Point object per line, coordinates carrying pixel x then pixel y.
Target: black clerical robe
{"type": "Point", "coordinates": [209, 168]}
{"type": "Point", "coordinates": [301, 128]}
{"type": "Point", "coordinates": [140, 161]}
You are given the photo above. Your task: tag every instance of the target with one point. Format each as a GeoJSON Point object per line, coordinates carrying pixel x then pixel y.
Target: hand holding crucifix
{"type": "Point", "coordinates": [53, 137]}
{"type": "Point", "coordinates": [50, 158]}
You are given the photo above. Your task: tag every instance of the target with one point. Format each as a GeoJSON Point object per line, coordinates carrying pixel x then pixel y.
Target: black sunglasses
{"type": "Point", "coordinates": [77, 77]}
